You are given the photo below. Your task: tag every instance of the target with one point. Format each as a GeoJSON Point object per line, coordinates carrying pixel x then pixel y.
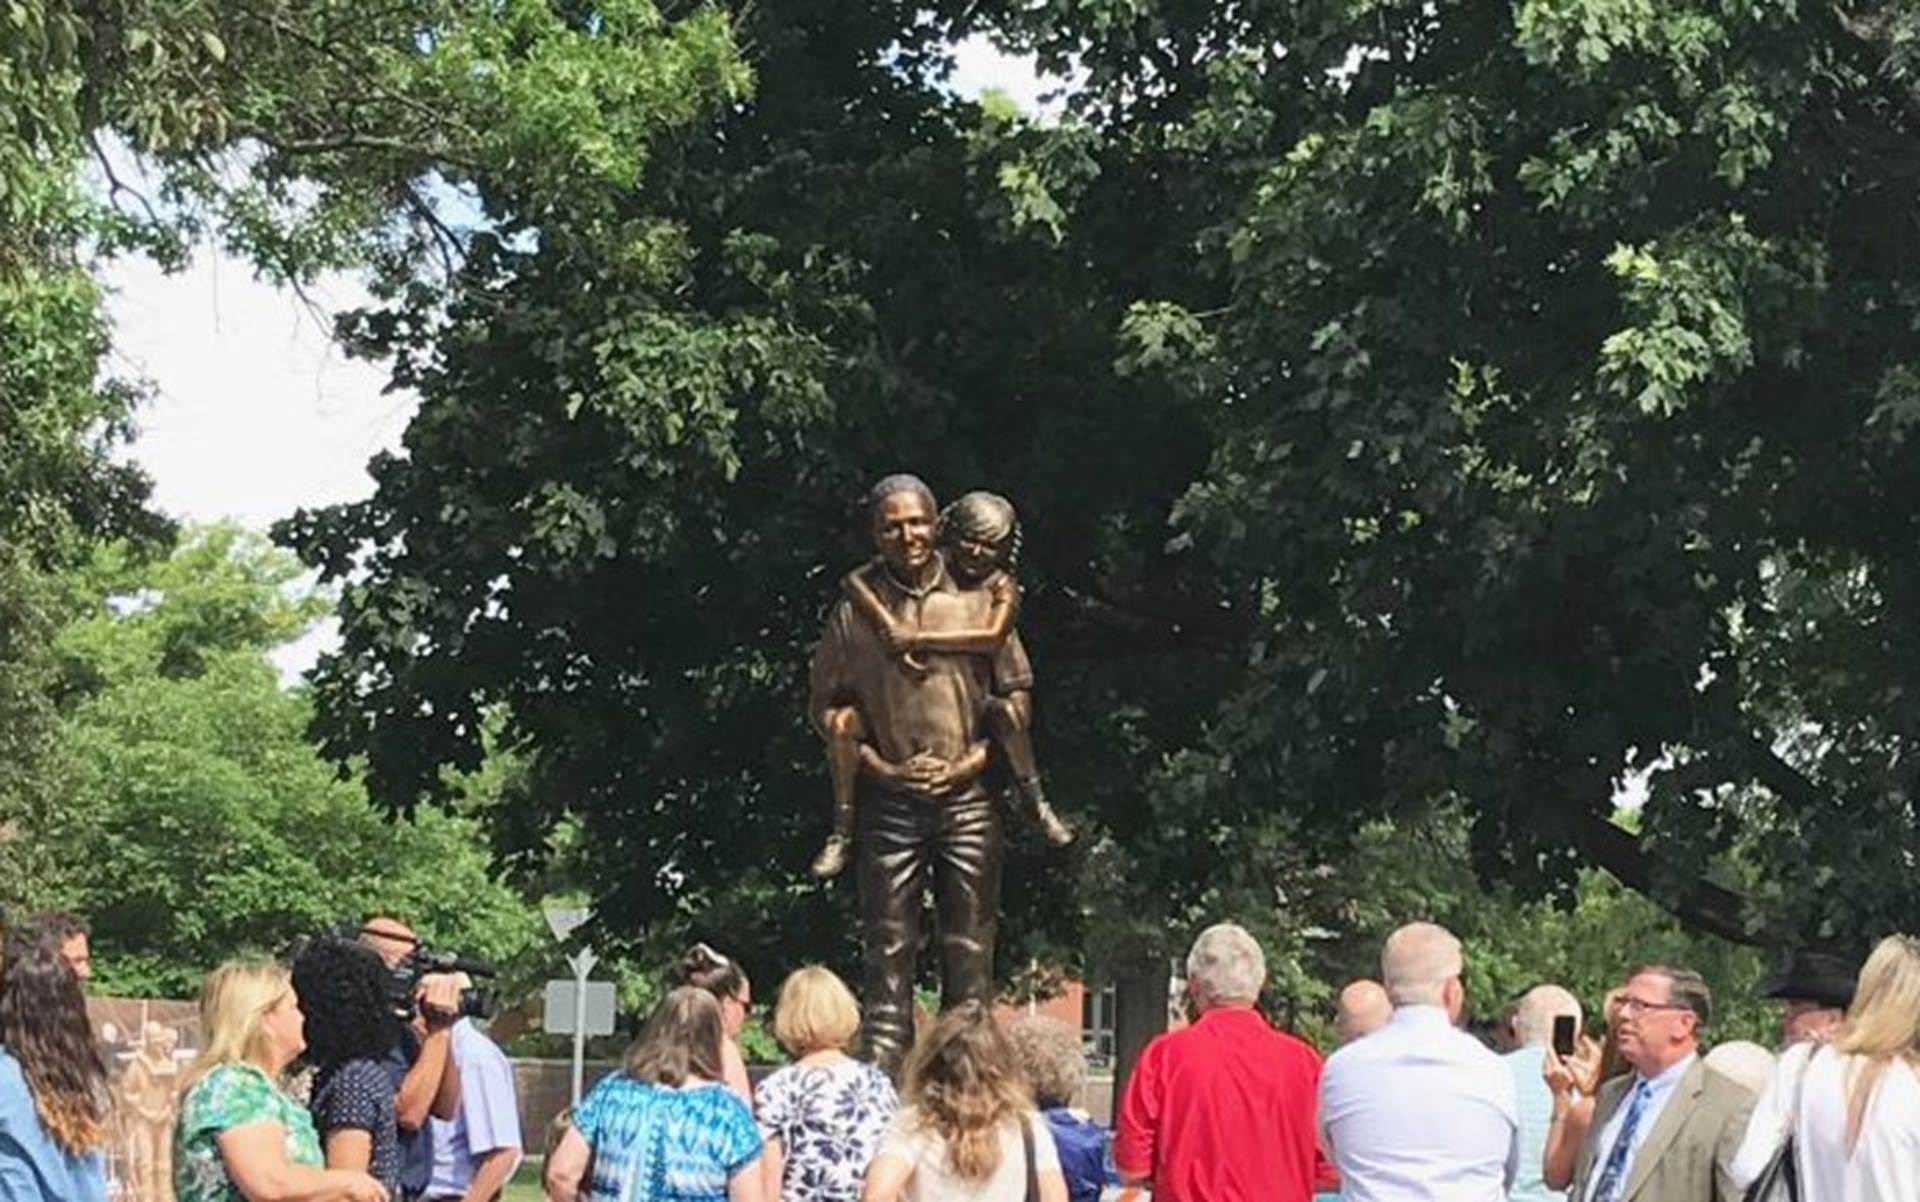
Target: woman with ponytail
{"type": "Point", "coordinates": [53, 1084]}
{"type": "Point", "coordinates": [704, 968]}
{"type": "Point", "coordinates": [970, 1132]}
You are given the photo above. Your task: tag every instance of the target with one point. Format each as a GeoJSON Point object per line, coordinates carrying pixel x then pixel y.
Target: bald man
{"type": "Point", "coordinates": [1364, 1009]}
{"type": "Point", "coordinates": [1420, 1111]}
{"type": "Point", "coordinates": [1533, 1021]}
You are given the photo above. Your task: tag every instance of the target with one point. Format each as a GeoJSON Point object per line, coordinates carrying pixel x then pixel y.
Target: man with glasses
{"type": "Point", "coordinates": [1664, 1132]}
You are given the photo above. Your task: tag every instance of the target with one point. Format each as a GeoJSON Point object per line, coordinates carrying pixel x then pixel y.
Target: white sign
{"type": "Point", "coordinates": [563, 1003]}
{"type": "Point", "coordinates": [565, 922]}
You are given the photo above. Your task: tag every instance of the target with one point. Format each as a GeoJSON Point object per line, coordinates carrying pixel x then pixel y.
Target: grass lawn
{"type": "Point", "coordinates": [525, 1186]}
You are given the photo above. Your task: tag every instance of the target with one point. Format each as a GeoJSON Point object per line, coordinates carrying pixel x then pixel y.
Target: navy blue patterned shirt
{"type": "Point", "coordinates": [358, 1095]}
{"type": "Point", "coordinates": [829, 1119]}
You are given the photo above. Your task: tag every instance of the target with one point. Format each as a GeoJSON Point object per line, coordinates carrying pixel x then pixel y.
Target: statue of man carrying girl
{"type": "Point", "coordinates": [920, 681]}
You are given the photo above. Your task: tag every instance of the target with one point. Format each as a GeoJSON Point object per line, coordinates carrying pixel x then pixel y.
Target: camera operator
{"type": "Point", "coordinates": [425, 1076]}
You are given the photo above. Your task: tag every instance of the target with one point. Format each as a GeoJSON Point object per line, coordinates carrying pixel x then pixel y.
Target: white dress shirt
{"type": "Point", "coordinates": [1419, 1111]}
{"type": "Point", "coordinates": [1659, 1093]}
{"type": "Point", "coordinates": [1883, 1167]}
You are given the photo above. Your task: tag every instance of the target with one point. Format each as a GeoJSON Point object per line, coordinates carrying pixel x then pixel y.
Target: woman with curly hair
{"type": "Point", "coordinates": [352, 1029]}
{"type": "Point", "coordinates": [665, 1128]}
{"type": "Point", "coordinates": [1050, 1054]}
{"type": "Point", "coordinates": [53, 1084]}
{"type": "Point", "coordinates": [969, 1132]}
{"type": "Point", "coordinates": [241, 1137]}
{"type": "Point", "coordinates": [704, 968]}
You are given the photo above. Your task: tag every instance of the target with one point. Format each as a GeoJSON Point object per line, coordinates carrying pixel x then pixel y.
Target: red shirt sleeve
{"type": "Point", "coordinates": [1134, 1135]}
{"type": "Point", "coordinates": [1326, 1178]}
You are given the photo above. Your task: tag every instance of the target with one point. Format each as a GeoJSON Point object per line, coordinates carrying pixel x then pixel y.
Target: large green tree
{"type": "Point", "coordinates": [61, 415]}
{"type": "Point", "coordinates": [635, 475]}
{"type": "Point", "coordinates": [203, 824]}
{"type": "Point", "coordinates": [1526, 386]}
{"type": "Point", "coordinates": [1560, 354]}
{"type": "Point", "coordinates": [1406, 403]}
{"type": "Point", "coordinates": [301, 136]}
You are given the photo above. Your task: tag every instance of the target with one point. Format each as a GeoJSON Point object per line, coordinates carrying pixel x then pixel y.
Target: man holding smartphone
{"type": "Point", "coordinates": [1548, 1016]}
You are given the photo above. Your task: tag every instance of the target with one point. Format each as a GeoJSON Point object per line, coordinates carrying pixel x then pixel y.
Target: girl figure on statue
{"type": "Point", "coordinates": [980, 537]}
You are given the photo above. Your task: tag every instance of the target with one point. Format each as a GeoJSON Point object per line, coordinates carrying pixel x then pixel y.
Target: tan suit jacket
{"type": "Point", "coordinates": [1684, 1157]}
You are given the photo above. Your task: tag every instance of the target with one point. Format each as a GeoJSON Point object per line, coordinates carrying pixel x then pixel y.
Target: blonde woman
{"type": "Point", "coordinates": [241, 1138]}
{"type": "Point", "coordinates": [823, 1115]}
{"type": "Point", "coordinates": [969, 1131]}
{"type": "Point", "coordinates": [1853, 1104]}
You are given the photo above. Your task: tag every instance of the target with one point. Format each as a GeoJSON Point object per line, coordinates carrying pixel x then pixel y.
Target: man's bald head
{"type": "Point", "coordinates": [393, 939]}
{"type": "Point", "coordinates": [1539, 1006]}
{"type": "Point", "coordinates": [1364, 1009]}
{"type": "Point", "coordinates": [1419, 963]}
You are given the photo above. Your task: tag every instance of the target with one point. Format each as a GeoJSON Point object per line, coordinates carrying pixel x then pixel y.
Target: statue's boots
{"type": "Point", "coordinates": [1034, 796]}
{"type": "Point", "coordinates": [832, 860]}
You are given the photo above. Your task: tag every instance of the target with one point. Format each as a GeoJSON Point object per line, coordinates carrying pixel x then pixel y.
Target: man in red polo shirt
{"type": "Point", "coordinates": [1222, 1111]}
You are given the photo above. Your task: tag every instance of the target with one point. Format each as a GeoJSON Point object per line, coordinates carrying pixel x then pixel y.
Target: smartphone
{"type": "Point", "coordinates": [1563, 1034]}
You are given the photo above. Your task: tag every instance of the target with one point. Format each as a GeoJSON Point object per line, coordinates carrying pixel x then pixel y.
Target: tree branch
{"type": "Point", "coordinates": [114, 185]}
{"type": "Point", "coordinates": [358, 141]}
{"type": "Point", "coordinates": [1783, 778]}
{"type": "Point", "coordinates": [444, 239]}
{"type": "Point", "coordinates": [1702, 904]}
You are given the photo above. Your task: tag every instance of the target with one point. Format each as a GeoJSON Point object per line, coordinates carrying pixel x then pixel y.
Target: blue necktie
{"type": "Point", "coordinates": [1613, 1178]}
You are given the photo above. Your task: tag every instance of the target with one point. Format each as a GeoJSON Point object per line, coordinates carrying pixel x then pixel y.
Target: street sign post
{"type": "Point", "coordinates": [591, 1002]}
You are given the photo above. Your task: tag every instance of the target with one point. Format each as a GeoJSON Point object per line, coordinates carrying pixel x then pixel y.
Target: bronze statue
{"type": "Point", "coordinates": [979, 538]}
{"type": "Point", "coordinates": [918, 676]}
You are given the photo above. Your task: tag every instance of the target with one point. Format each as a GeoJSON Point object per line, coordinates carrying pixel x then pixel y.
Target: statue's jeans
{"type": "Point", "coordinates": [903, 844]}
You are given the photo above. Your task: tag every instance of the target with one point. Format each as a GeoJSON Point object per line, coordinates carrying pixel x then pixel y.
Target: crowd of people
{"type": "Point", "coordinates": [401, 1098]}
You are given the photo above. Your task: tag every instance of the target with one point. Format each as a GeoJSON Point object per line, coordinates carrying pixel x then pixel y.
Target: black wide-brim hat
{"type": "Point", "coordinates": [1813, 976]}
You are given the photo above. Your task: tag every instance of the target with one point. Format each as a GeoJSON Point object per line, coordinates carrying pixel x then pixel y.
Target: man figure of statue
{"type": "Point", "coordinates": [923, 816]}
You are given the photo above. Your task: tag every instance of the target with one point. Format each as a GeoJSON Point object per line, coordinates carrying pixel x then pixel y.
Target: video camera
{"type": "Point", "coordinates": [475, 1002]}
{"type": "Point", "coordinates": [403, 976]}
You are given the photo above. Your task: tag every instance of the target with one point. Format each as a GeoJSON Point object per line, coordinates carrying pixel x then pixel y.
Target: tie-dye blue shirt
{"type": "Point", "coordinates": [652, 1143]}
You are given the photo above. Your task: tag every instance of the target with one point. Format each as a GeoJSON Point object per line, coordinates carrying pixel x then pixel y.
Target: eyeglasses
{"type": "Point", "coordinates": [1634, 1005]}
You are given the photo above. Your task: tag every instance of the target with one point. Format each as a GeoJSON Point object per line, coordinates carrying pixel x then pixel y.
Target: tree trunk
{"type": "Point", "coordinates": [1139, 1013]}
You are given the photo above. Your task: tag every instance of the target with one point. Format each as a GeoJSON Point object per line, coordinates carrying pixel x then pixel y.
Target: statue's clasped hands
{"type": "Point", "coordinates": [925, 772]}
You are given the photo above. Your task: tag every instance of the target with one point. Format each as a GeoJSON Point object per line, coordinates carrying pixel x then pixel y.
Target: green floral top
{"type": "Point", "coordinates": [233, 1095]}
